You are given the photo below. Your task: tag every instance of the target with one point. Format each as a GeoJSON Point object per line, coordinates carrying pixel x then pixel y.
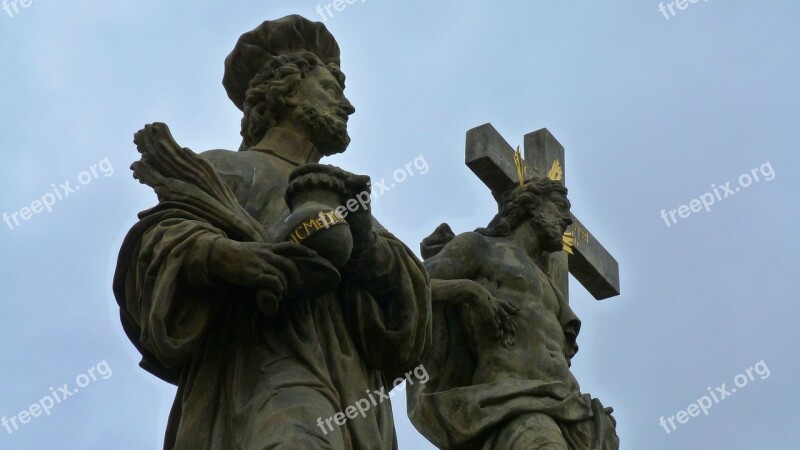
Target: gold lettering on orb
{"type": "Point", "coordinates": [314, 225]}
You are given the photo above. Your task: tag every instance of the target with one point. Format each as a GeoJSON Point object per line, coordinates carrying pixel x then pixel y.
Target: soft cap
{"type": "Point", "coordinates": [274, 37]}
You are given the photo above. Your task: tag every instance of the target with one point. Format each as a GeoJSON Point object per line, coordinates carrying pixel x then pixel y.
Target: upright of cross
{"type": "Point", "coordinates": [491, 158]}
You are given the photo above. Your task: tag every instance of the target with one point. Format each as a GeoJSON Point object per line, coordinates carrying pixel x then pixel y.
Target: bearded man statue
{"type": "Point", "coordinates": [271, 342]}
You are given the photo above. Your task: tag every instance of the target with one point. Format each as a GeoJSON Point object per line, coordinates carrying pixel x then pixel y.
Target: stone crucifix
{"type": "Point", "coordinates": [491, 158]}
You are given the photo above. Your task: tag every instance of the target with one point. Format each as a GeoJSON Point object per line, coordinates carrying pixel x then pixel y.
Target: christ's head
{"type": "Point", "coordinates": [540, 204]}
{"type": "Point", "coordinates": [298, 92]}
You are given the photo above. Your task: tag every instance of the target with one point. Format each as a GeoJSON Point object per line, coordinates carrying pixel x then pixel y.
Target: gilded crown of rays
{"type": "Point", "coordinates": [521, 169]}
{"type": "Point", "coordinates": [556, 173]}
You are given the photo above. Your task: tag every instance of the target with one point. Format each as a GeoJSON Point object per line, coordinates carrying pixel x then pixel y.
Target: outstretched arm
{"type": "Point", "coordinates": [452, 270]}
{"type": "Point", "coordinates": [459, 259]}
{"type": "Point", "coordinates": [452, 273]}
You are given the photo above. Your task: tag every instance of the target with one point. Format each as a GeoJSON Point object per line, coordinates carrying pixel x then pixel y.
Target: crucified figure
{"type": "Point", "coordinates": [504, 336]}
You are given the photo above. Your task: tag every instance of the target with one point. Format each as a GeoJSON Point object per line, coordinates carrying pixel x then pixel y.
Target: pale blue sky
{"type": "Point", "coordinates": [651, 112]}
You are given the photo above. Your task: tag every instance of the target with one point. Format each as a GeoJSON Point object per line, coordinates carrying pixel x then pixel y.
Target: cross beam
{"type": "Point", "coordinates": [491, 158]}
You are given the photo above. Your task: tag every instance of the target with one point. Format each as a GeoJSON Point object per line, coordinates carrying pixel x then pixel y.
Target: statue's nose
{"type": "Point", "coordinates": [347, 106]}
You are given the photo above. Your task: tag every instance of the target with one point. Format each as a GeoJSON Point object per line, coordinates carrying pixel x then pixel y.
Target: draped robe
{"type": "Point", "coordinates": [249, 381]}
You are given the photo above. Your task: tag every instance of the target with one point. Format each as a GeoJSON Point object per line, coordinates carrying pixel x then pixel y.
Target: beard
{"type": "Point", "coordinates": [329, 130]}
{"type": "Point", "coordinates": [550, 231]}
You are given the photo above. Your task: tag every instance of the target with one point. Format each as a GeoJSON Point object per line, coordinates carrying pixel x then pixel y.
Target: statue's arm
{"type": "Point", "coordinates": [452, 271]}
{"type": "Point", "coordinates": [384, 290]}
{"type": "Point", "coordinates": [385, 298]}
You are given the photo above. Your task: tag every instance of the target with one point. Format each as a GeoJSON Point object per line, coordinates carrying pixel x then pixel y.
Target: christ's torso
{"type": "Point", "coordinates": [539, 350]}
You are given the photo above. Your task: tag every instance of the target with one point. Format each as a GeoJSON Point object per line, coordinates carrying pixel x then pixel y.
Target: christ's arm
{"type": "Point", "coordinates": [452, 273]}
{"type": "Point", "coordinates": [453, 269]}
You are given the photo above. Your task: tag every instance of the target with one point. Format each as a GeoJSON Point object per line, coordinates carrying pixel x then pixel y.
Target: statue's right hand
{"type": "Point", "coordinates": [499, 313]}
{"type": "Point", "coordinates": [258, 265]}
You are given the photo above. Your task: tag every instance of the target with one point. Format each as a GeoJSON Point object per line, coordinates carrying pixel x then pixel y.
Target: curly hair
{"type": "Point", "coordinates": [266, 97]}
{"type": "Point", "coordinates": [519, 204]}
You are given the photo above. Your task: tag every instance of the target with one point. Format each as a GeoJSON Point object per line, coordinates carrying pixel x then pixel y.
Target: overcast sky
{"type": "Point", "coordinates": [654, 109]}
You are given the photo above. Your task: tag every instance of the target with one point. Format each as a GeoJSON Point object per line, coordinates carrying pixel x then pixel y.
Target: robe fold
{"type": "Point", "coordinates": [246, 380]}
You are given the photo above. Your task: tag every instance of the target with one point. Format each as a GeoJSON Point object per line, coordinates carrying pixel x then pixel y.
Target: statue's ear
{"type": "Point", "coordinates": [290, 99]}
{"type": "Point", "coordinates": [292, 96]}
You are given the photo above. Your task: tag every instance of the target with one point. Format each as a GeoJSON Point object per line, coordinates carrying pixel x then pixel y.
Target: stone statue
{"type": "Point", "coordinates": [504, 336]}
{"type": "Point", "coordinates": [260, 284]}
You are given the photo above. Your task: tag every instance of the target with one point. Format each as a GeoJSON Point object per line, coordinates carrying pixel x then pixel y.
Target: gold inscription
{"type": "Point", "coordinates": [574, 238]}
{"type": "Point", "coordinates": [312, 226]}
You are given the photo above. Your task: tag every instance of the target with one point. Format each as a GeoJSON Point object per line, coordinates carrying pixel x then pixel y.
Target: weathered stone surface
{"type": "Point", "coordinates": [491, 158]}
{"type": "Point", "coordinates": [269, 341]}
{"type": "Point", "coordinates": [503, 332]}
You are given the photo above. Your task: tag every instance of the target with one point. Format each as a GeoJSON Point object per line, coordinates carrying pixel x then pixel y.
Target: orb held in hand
{"type": "Point", "coordinates": [313, 199]}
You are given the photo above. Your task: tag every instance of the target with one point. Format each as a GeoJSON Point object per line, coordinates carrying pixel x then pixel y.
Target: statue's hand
{"type": "Point", "coordinates": [267, 267]}
{"type": "Point", "coordinates": [499, 314]}
{"type": "Point", "coordinates": [360, 220]}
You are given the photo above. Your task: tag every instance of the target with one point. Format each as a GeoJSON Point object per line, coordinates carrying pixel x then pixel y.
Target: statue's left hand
{"type": "Point", "coordinates": [360, 220]}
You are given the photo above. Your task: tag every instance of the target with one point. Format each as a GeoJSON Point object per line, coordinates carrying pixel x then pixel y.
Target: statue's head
{"type": "Point", "coordinates": [541, 203]}
{"type": "Point", "coordinates": [286, 73]}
